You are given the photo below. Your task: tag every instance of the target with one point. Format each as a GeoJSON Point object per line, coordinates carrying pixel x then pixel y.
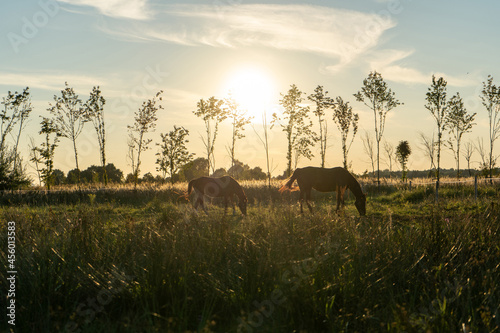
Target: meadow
{"type": "Point", "coordinates": [121, 260]}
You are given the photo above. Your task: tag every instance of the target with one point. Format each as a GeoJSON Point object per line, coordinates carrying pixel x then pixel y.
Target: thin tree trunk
{"type": "Point", "coordinates": [76, 160]}
{"type": "Point", "coordinates": [324, 143]}
{"type": "Point", "coordinates": [171, 173]}
{"type": "Point", "coordinates": [105, 172]}
{"type": "Point", "coordinates": [232, 149]}
{"type": "Point", "coordinates": [136, 173]}
{"type": "Point", "coordinates": [491, 143]}
{"type": "Point", "coordinates": [267, 162]}
{"type": "Point", "coordinates": [377, 134]}
{"type": "Point", "coordinates": [438, 155]}
{"type": "Point", "coordinates": [289, 154]}
{"type": "Point", "coordinates": [378, 163]}
{"type": "Point", "coordinates": [491, 158]}
{"type": "Point", "coordinates": [344, 151]}
{"type": "Point", "coordinates": [17, 144]}
{"type": "Point", "coordinates": [321, 142]}
{"type": "Point", "coordinates": [101, 139]}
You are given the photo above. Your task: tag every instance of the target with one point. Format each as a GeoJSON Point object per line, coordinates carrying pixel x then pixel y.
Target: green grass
{"type": "Point", "coordinates": [145, 262]}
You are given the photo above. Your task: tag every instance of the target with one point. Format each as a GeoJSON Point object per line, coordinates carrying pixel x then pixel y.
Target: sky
{"type": "Point", "coordinates": [191, 50]}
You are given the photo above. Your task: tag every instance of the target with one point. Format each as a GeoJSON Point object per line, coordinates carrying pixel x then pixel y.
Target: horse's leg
{"type": "Point", "coordinates": [342, 202]}
{"type": "Point", "coordinates": [195, 205]}
{"type": "Point", "coordinates": [202, 202]}
{"type": "Point", "coordinates": [308, 197]}
{"type": "Point", "coordinates": [225, 205]}
{"type": "Point", "coordinates": [301, 198]}
{"type": "Point", "coordinates": [338, 198]}
{"type": "Point", "coordinates": [196, 201]}
{"type": "Point", "coordinates": [231, 198]}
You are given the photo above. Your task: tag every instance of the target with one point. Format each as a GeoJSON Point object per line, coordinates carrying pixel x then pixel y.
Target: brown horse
{"type": "Point", "coordinates": [326, 180]}
{"type": "Point", "coordinates": [218, 187]}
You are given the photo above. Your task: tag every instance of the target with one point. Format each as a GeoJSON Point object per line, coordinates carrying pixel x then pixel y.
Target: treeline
{"type": "Point", "coordinates": [429, 174]}
{"type": "Point", "coordinates": [67, 115]}
{"type": "Point", "coordinates": [196, 168]}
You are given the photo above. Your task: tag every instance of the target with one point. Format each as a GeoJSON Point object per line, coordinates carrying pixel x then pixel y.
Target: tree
{"type": "Point", "coordinates": [148, 178]}
{"type": "Point", "coordinates": [490, 97]}
{"type": "Point", "coordinates": [68, 116]}
{"type": "Point", "coordinates": [35, 157]}
{"type": "Point", "coordinates": [17, 108]}
{"type": "Point", "coordinates": [238, 122]}
{"type": "Point", "coordinates": [429, 147]}
{"type": "Point", "coordinates": [94, 112]}
{"type": "Point", "coordinates": [45, 153]}
{"type": "Point", "coordinates": [244, 172]}
{"type": "Point", "coordinates": [458, 123]}
{"type": "Point", "coordinates": [403, 152]}
{"type": "Point", "coordinates": [301, 146]}
{"type": "Point", "coordinates": [219, 172]}
{"type": "Point", "coordinates": [484, 164]}
{"type": "Point", "coordinates": [380, 99]}
{"type": "Point", "coordinates": [438, 107]}
{"type": "Point", "coordinates": [6, 172]}
{"type": "Point", "coordinates": [8, 120]}
{"type": "Point", "coordinates": [144, 122]}
{"type": "Point", "coordinates": [389, 150]}
{"type": "Point", "coordinates": [368, 149]}
{"type": "Point", "coordinates": [265, 143]}
{"type": "Point", "coordinates": [297, 126]}
{"type": "Point", "coordinates": [468, 151]}
{"type": "Point", "coordinates": [22, 109]}
{"type": "Point", "coordinates": [131, 153]}
{"type": "Point", "coordinates": [345, 120]}
{"type": "Point", "coordinates": [195, 168]}
{"type": "Point", "coordinates": [322, 102]}
{"type": "Point", "coordinates": [58, 177]}
{"type": "Point", "coordinates": [95, 174]}
{"type": "Point", "coordinates": [213, 113]}
{"type": "Point", "coordinates": [173, 153]}
{"type": "Point", "coordinates": [114, 174]}
{"type": "Point", "coordinates": [130, 178]}
{"type": "Point", "coordinates": [74, 176]}
{"type": "Point", "coordinates": [256, 174]}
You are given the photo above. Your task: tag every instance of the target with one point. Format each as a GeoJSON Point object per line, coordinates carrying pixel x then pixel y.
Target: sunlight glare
{"type": "Point", "coordinates": [253, 90]}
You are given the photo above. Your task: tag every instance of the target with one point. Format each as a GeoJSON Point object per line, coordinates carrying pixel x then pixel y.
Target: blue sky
{"type": "Point", "coordinates": [197, 49]}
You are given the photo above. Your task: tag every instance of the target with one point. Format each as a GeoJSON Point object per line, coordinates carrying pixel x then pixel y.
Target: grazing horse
{"type": "Point", "coordinates": [218, 187]}
{"type": "Point", "coordinates": [326, 180]}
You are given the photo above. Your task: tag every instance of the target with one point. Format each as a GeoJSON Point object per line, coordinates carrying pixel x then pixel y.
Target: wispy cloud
{"type": "Point", "coordinates": [46, 81]}
{"type": "Point", "coordinates": [130, 9]}
{"type": "Point", "coordinates": [385, 62]}
{"type": "Point", "coordinates": [338, 34]}
{"type": "Point", "coordinates": [388, 62]}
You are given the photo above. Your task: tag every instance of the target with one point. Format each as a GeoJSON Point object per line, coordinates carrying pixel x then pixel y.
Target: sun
{"type": "Point", "coordinates": [253, 89]}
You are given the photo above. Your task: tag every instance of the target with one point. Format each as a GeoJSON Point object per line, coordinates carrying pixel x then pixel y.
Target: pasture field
{"type": "Point", "coordinates": [144, 261]}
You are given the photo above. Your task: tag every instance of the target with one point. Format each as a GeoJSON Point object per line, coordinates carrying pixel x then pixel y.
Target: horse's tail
{"type": "Point", "coordinates": [181, 195]}
{"type": "Point", "coordinates": [189, 190]}
{"type": "Point", "coordinates": [288, 184]}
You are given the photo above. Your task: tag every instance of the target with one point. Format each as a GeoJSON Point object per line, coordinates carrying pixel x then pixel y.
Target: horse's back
{"type": "Point", "coordinates": [215, 186]}
{"type": "Point", "coordinates": [323, 179]}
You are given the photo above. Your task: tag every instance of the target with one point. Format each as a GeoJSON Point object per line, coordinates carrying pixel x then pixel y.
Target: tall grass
{"type": "Point", "coordinates": [107, 265]}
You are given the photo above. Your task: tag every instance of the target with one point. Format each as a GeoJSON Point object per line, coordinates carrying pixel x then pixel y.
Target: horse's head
{"type": "Point", "coordinates": [361, 204]}
{"type": "Point", "coordinates": [243, 205]}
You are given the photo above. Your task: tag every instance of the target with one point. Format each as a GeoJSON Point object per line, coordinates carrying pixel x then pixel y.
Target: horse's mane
{"type": "Point", "coordinates": [354, 186]}
{"type": "Point", "coordinates": [239, 191]}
